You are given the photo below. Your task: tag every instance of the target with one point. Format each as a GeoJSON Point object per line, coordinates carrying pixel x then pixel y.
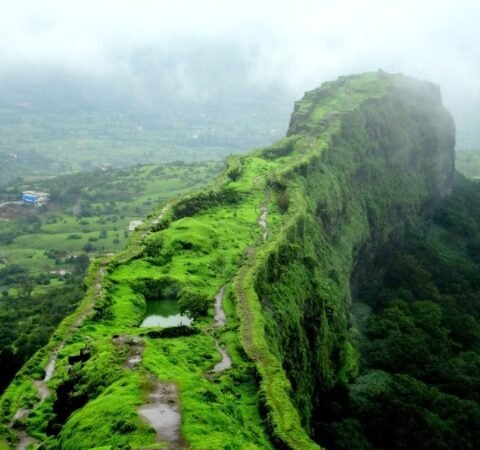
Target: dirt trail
{"type": "Point", "coordinates": [247, 315]}
{"type": "Point", "coordinates": [42, 389]}
{"type": "Point", "coordinates": [21, 414]}
{"type": "Point", "coordinates": [226, 361]}
{"type": "Point", "coordinates": [156, 220]}
{"type": "Point", "coordinates": [162, 413]}
{"type": "Point", "coordinates": [220, 320]}
{"type": "Point", "coordinates": [50, 368]}
{"type": "Point", "coordinates": [134, 354]}
{"type": "Point", "coordinates": [262, 221]}
{"type": "Point", "coordinates": [10, 203]}
{"type": "Point", "coordinates": [249, 259]}
{"type": "Point", "coordinates": [76, 208]}
{"type": "Point", "coordinates": [220, 317]}
{"type": "Point", "coordinates": [160, 216]}
{"type": "Point", "coordinates": [25, 441]}
{"type": "Point", "coordinates": [43, 392]}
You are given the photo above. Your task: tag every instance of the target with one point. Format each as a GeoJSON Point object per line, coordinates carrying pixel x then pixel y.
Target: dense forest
{"type": "Point", "coordinates": [419, 317]}
{"type": "Point", "coordinates": [28, 319]}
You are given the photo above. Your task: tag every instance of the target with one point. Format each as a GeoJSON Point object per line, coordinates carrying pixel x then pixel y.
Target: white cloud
{"type": "Point", "coordinates": [300, 43]}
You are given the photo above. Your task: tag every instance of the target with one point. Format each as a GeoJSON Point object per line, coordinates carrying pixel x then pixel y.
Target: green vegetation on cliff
{"type": "Point", "coordinates": [284, 229]}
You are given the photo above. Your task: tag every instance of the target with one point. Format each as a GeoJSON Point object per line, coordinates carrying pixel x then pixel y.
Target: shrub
{"type": "Point", "coordinates": [193, 304]}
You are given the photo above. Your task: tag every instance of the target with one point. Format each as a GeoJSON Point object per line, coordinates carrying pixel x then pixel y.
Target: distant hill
{"type": "Point", "coordinates": [197, 104]}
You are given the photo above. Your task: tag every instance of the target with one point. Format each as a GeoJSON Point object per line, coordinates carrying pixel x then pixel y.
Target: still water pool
{"type": "Point", "coordinates": [164, 313]}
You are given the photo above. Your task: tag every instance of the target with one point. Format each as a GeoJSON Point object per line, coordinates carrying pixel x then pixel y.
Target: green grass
{"type": "Point", "coordinates": [113, 410]}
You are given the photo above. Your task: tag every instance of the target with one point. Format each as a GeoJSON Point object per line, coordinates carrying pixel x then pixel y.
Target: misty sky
{"type": "Point", "coordinates": [298, 44]}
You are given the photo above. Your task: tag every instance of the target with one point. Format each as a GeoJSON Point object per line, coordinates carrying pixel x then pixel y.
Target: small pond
{"type": "Point", "coordinates": [164, 313]}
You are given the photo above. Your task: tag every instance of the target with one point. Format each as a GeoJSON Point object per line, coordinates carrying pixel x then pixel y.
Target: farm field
{"type": "Point", "coordinates": [51, 141]}
{"type": "Point", "coordinates": [89, 214]}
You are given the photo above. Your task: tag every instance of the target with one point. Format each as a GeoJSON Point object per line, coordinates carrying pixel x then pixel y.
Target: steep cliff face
{"type": "Point", "coordinates": [282, 233]}
{"type": "Point", "coordinates": [386, 165]}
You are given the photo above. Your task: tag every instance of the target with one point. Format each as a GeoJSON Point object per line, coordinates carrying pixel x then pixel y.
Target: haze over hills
{"type": "Point", "coordinates": [192, 105]}
{"type": "Point", "coordinates": [185, 101]}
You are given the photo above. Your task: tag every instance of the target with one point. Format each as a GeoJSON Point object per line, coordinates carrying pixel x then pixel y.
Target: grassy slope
{"type": "Point", "coordinates": [204, 241]}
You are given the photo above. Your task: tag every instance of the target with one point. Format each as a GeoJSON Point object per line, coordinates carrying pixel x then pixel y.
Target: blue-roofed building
{"type": "Point", "coordinates": [35, 198]}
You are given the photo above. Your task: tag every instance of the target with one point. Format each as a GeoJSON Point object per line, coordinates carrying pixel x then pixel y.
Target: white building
{"type": "Point", "coordinates": [35, 198]}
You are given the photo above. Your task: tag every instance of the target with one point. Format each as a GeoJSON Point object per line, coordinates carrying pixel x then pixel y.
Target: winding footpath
{"type": "Point", "coordinates": [262, 221]}
{"type": "Point", "coordinates": [11, 203]}
{"type": "Point", "coordinates": [135, 347]}
{"type": "Point", "coordinates": [43, 392]}
{"type": "Point", "coordinates": [225, 363]}
{"type": "Point", "coordinates": [249, 257]}
{"type": "Point", "coordinates": [220, 320]}
{"type": "Point", "coordinates": [155, 221]}
{"type": "Point", "coordinates": [220, 316]}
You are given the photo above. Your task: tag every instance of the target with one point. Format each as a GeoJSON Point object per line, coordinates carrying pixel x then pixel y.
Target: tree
{"type": "Point", "coordinates": [10, 363]}
{"type": "Point", "coordinates": [89, 247]}
{"type": "Point", "coordinates": [26, 287]}
{"type": "Point", "coordinates": [81, 263]}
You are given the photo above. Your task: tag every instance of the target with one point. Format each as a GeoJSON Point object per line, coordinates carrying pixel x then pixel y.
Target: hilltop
{"type": "Point", "coordinates": [267, 261]}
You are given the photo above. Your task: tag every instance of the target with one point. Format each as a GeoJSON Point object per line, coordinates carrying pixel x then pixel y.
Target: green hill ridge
{"type": "Point", "coordinates": [285, 230]}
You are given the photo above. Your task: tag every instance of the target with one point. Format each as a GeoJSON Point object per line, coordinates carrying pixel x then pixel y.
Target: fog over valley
{"type": "Point", "coordinates": [151, 55]}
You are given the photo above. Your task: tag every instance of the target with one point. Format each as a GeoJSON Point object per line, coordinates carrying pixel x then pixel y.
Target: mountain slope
{"type": "Point", "coordinates": [284, 229]}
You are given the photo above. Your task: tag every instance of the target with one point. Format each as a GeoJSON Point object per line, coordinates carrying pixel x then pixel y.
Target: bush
{"type": "Point", "coordinates": [173, 332]}
{"type": "Point", "coordinates": [283, 201]}
{"type": "Point", "coordinates": [193, 304]}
